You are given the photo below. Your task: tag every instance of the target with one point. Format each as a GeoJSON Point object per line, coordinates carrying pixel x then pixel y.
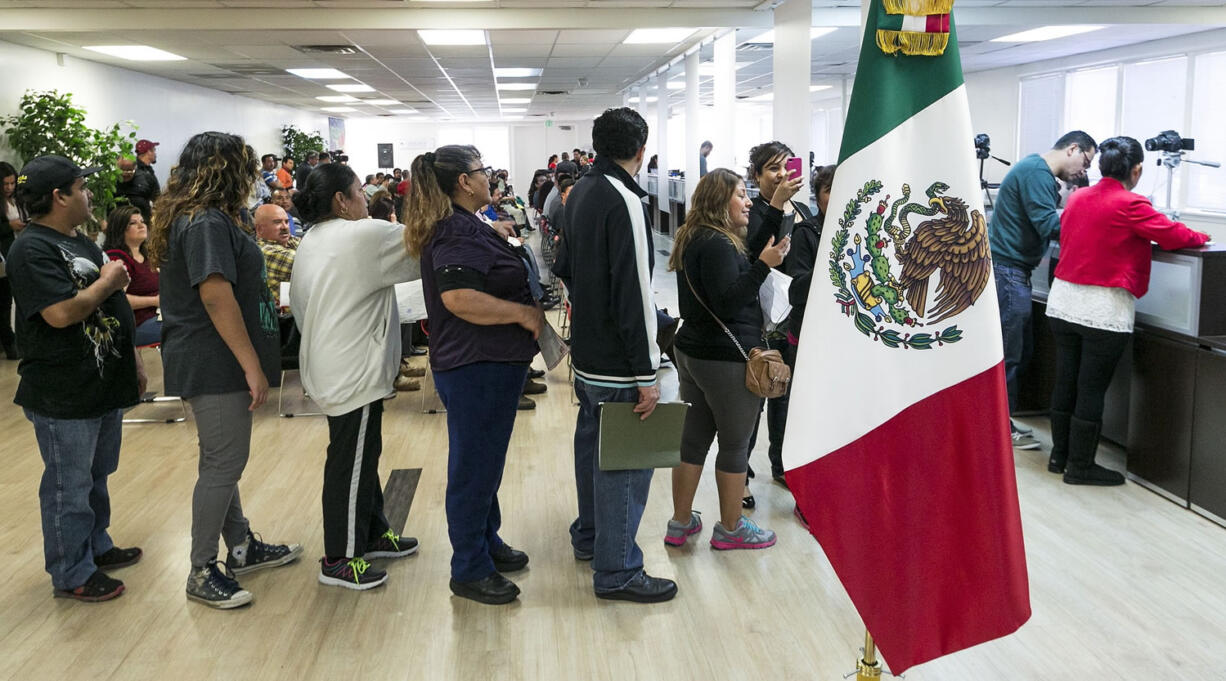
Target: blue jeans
{"type": "Point", "coordinates": [1013, 295]}
{"type": "Point", "coordinates": [481, 400]}
{"type": "Point", "coordinates": [149, 332]}
{"type": "Point", "coordinates": [78, 455]}
{"type": "Point", "coordinates": [610, 502]}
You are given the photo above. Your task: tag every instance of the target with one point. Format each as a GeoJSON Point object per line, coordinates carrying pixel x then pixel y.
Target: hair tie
{"type": "Point", "coordinates": [428, 157]}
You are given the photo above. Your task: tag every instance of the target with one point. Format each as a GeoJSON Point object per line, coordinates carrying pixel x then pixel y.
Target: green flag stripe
{"type": "Point", "coordinates": [889, 89]}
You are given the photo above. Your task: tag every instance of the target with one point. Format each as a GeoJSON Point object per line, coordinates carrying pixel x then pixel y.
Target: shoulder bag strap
{"type": "Point", "coordinates": [731, 337]}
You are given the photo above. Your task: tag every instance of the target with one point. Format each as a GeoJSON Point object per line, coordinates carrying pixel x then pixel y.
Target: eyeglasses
{"type": "Point", "coordinates": [487, 171]}
{"type": "Point", "coordinates": [1087, 158]}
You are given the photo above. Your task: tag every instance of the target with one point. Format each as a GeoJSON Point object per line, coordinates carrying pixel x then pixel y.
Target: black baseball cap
{"type": "Point", "coordinates": [45, 174]}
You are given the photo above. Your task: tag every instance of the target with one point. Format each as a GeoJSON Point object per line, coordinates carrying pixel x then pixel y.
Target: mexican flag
{"type": "Point", "coordinates": [898, 449]}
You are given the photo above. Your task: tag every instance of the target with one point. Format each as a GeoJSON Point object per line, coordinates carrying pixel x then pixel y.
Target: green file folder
{"type": "Point", "coordinates": [628, 443]}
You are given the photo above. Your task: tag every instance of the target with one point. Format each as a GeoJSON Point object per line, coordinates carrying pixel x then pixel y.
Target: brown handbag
{"type": "Point", "coordinates": [766, 374]}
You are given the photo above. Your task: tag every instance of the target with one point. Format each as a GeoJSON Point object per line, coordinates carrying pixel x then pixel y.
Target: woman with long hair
{"type": "Point", "coordinates": [483, 329]}
{"type": "Point", "coordinates": [12, 221]}
{"type": "Point", "coordinates": [1105, 252]}
{"type": "Point", "coordinates": [717, 287]}
{"type": "Point", "coordinates": [126, 233]}
{"type": "Point", "coordinates": [344, 302]}
{"type": "Point", "coordinates": [220, 349]}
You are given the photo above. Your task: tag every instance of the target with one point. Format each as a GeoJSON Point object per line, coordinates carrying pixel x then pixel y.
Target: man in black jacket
{"type": "Point", "coordinates": [613, 348]}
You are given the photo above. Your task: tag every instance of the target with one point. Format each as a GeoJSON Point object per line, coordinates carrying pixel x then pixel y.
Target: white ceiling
{"type": "Point", "coordinates": [244, 46]}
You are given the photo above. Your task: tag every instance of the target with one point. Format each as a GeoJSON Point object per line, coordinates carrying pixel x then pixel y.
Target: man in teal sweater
{"type": "Point", "coordinates": [1023, 223]}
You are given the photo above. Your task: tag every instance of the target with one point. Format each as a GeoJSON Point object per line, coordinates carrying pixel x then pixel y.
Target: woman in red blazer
{"type": "Point", "coordinates": [1105, 247]}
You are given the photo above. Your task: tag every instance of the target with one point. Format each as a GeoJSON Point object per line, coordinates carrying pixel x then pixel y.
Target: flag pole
{"type": "Point", "coordinates": [868, 668]}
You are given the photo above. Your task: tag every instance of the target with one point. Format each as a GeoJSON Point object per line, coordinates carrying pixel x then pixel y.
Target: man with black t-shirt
{"type": "Point", "coordinates": [78, 373]}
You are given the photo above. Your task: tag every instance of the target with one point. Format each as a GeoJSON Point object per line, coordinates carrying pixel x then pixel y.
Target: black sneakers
{"type": "Point", "coordinates": [118, 558]}
{"type": "Point", "coordinates": [99, 587]}
{"type": "Point", "coordinates": [213, 586]}
{"type": "Point", "coordinates": [391, 545]}
{"type": "Point", "coordinates": [254, 554]}
{"type": "Point", "coordinates": [352, 573]}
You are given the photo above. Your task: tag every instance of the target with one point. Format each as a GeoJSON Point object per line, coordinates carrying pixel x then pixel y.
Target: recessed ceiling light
{"type": "Point", "coordinates": [1044, 33]}
{"type": "Point", "coordinates": [318, 74]}
{"type": "Point", "coordinates": [452, 37]}
{"type": "Point", "coordinates": [658, 36]}
{"type": "Point", "coordinates": [516, 100]}
{"type": "Point", "coordinates": [515, 72]}
{"type": "Point", "coordinates": [707, 68]}
{"type": "Point", "coordinates": [764, 97]}
{"type": "Point", "coordinates": [337, 98]}
{"type": "Point", "coordinates": [337, 109]}
{"type": "Point", "coordinates": [381, 102]}
{"type": "Point", "coordinates": [819, 88]}
{"type": "Point", "coordinates": [351, 87]}
{"type": "Point", "coordinates": [516, 86]}
{"type": "Point", "coordinates": [815, 32]}
{"type": "Point", "coordinates": [403, 112]}
{"type": "Point", "coordinates": [651, 99]}
{"type": "Point", "coordinates": [135, 52]}
{"type": "Point", "coordinates": [514, 110]}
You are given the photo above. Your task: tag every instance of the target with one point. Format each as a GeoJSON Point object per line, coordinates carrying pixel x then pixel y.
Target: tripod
{"type": "Point", "coordinates": [984, 184]}
{"type": "Point", "coordinates": [1171, 160]}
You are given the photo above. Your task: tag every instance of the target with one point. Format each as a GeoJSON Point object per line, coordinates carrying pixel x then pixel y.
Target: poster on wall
{"type": "Point", "coordinates": [336, 133]}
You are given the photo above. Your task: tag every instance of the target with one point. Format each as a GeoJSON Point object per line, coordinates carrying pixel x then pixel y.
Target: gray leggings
{"type": "Point", "coordinates": [719, 403]}
{"type": "Point", "coordinates": [223, 426]}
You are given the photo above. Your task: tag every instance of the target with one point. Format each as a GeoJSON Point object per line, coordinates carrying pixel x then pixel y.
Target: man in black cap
{"type": "Point", "coordinates": [78, 372]}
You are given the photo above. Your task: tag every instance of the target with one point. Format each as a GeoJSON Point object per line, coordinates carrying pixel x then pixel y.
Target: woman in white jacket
{"type": "Point", "coordinates": [344, 304]}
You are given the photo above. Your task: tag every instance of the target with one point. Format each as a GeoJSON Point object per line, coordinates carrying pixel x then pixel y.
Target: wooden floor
{"type": "Point", "coordinates": [1124, 585]}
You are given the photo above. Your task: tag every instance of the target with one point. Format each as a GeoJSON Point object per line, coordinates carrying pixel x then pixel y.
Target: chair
{"type": "Point", "coordinates": [152, 397]}
{"type": "Point", "coordinates": [290, 342]}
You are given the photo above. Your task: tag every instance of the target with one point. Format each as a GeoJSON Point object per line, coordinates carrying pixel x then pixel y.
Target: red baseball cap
{"type": "Point", "coordinates": [143, 146]}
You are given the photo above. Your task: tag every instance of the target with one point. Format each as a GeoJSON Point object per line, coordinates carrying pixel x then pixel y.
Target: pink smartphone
{"type": "Point", "coordinates": [793, 167]}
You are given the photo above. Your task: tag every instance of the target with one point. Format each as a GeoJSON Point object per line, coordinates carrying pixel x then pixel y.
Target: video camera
{"type": "Point", "coordinates": [983, 146]}
{"type": "Point", "coordinates": [1170, 141]}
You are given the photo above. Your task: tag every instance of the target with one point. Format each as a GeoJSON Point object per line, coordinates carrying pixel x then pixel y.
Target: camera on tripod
{"type": "Point", "coordinates": [983, 146]}
{"type": "Point", "coordinates": [1170, 141]}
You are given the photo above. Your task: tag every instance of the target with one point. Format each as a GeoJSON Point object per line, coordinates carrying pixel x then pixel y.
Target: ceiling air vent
{"type": "Point", "coordinates": [552, 92]}
{"type": "Point", "coordinates": [326, 49]}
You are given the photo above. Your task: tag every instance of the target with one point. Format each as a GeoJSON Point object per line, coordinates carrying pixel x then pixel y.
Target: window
{"type": "Point", "coordinates": [1155, 98]}
{"type": "Point", "coordinates": [1090, 104]}
{"type": "Point", "coordinates": [1042, 104]}
{"type": "Point", "coordinates": [1206, 185]}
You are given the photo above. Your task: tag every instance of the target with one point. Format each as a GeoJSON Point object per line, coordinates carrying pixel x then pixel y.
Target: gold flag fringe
{"type": "Point", "coordinates": [928, 44]}
{"type": "Point", "coordinates": [918, 7]}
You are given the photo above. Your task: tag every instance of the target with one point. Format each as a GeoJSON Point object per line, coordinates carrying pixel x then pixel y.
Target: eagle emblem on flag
{"type": "Point", "coordinates": [884, 269]}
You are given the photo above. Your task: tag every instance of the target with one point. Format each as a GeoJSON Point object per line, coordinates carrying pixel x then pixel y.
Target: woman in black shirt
{"type": "Point", "coordinates": [717, 286]}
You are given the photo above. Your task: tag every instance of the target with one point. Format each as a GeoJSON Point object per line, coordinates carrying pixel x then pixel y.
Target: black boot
{"type": "Point", "coordinates": [1059, 441]}
{"type": "Point", "coordinates": [1082, 445]}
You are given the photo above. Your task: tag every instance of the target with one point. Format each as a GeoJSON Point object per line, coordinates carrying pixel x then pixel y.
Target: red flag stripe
{"type": "Point", "coordinates": [937, 23]}
{"type": "Point", "coordinates": [920, 520]}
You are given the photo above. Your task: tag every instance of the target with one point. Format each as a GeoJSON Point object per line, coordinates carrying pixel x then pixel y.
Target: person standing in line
{"type": "Point", "coordinates": [717, 287]}
{"type": "Point", "coordinates": [703, 152]}
{"type": "Point", "coordinates": [483, 329]}
{"type": "Point", "coordinates": [146, 156]}
{"type": "Point", "coordinates": [344, 303]}
{"type": "Point", "coordinates": [1106, 240]}
{"type": "Point", "coordinates": [309, 163]}
{"type": "Point", "coordinates": [220, 350]}
{"type": "Point", "coordinates": [1024, 221]}
{"type": "Point", "coordinates": [614, 351]}
{"type": "Point", "coordinates": [12, 221]}
{"type": "Point", "coordinates": [79, 371]}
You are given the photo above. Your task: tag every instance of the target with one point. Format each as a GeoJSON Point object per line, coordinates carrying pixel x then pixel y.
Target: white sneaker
{"type": "Point", "coordinates": [1018, 428]}
{"type": "Point", "coordinates": [1024, 441]}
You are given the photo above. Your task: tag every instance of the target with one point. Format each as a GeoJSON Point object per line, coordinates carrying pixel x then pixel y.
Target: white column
{"type": "Point", "coordinates": [640, 91]}
{"type": "Point", "coordinates": [793, 108]}
{"type": "Point", "coordinates": [725, 98]}
{"type": "Point", "coordinates": [692, 112]}
{"type": "Point", "coordinates": [661, 129]}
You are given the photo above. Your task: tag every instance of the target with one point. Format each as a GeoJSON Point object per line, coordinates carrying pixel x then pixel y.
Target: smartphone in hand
{"type": "Point", "coordinates": [793, 167]}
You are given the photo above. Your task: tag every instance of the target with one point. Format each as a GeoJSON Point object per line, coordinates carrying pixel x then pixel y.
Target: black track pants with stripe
{"type": "Point", "coordinates": [353, 497]}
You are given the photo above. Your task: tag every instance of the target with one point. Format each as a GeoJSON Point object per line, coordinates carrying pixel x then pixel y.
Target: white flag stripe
{"type": "Point", "coordinates": [846, 383]}
{"type": "Point", "coordinates": [915, 24]}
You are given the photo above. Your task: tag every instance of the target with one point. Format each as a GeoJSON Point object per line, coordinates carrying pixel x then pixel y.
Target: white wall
{"type": "Point", "coordinates": [164, 110]}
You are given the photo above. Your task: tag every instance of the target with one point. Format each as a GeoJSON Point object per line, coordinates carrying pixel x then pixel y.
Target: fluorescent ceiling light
{"type": "Point", "coordinates": [337, 109]}
{"type": "Point", "coordinates": [337, 98]}
{"type": "Point", "coordinates": [515, 72]}
{"type": "Point", "coordinates": [815, 32]}
{"type": "Point", "coordinates": [318, 74]}
{"type": "Point", "coordinates": [391, 102]}
{"type": "Point", "coordinates": [351, 87]}
{"type": "Point", "coordinates": [135, 52]}
{"type": "Point", "coordinates": [676, 85]}
{"type": "Point", "coordinates": [707, 68]}
{"type": "Point", "coordinates": [452, 37]}
{"type": "Point", "coordinates": [651, 99]}
{"type": "Point", "coordinates": [658, 36]}
{"type": "Point", "coordinates": [404, 112]}
{"type": "Point", "coordinates": [514, 110]}
{"type": "Point", "coordinates": [1044, 33]}
{"type": "Point", "coordinates": [516, 100]}
{"type": "Point", "coordinates": [516, 86]}
{"type": "Point", "coordinates": [819, 88]}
